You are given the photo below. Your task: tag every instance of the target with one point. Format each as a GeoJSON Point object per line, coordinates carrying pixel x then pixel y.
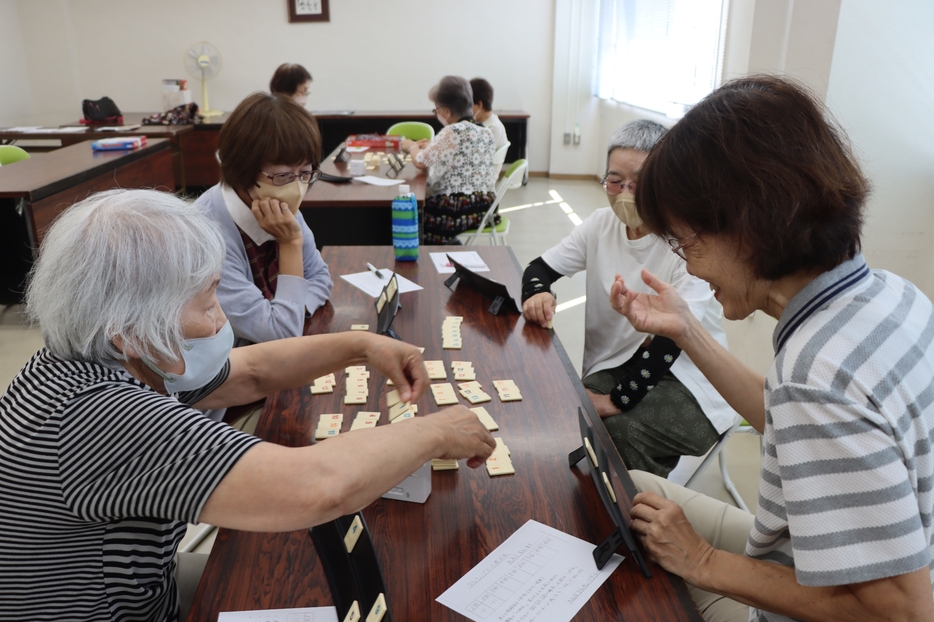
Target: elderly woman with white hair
{"type": "Point", "coordinates": [461, 172]}
{"type": "Point", "coordinates": [656, 404]}
{"type": "Point", "coordinates": [104, 455]}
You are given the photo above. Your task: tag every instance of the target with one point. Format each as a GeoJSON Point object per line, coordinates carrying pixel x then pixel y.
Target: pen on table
{"type": "Point", "coordinates": [372, 268]}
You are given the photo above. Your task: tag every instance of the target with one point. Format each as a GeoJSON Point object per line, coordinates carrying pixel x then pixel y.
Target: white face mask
{"type": "Point", "coordinates": [290, 194]}
{"type": "Point", "coordinates": [441, 119]}
{"type": "Point", "coordinates": [204, 358]}
{"type": "Point", "coordinates": [624, 206]}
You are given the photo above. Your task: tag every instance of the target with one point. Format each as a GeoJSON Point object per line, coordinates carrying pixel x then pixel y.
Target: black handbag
{"type": "Point", "coordinates": [103, 110]}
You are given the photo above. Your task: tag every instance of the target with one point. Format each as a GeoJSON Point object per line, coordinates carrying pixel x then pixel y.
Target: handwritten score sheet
{"type": "Point", "coordinates": [538, 574]}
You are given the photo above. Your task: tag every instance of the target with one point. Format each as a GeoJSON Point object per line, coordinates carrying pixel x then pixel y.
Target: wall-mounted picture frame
{"type": "Point", "coordinates": [309, 11]}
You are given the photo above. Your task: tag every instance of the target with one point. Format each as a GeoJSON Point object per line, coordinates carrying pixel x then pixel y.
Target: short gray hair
{"type": "Point", "coordinates": [640, 135]}
{"type": "Point", "coordinates": [122, 263]}
{"type": "Point", "coordinates": [455, 94]}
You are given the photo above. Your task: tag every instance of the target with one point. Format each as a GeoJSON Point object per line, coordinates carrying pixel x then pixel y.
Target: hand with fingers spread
{"type": "Point", "coordinates": [668, 537]}
{"type": "Point", "coordinates": [540, 308]}
{"type": "Point", "coordinates": [664, 313]}
{"type": "Point", "coordinates": [276, 219]}
{"type": "Point", "coordinates": [402, 363]}
{"type": "Point", "coordinates": [465, 436]}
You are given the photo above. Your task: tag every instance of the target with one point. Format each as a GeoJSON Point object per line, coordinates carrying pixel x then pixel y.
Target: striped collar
{"type": "Point", "coordinates": [817, 295]}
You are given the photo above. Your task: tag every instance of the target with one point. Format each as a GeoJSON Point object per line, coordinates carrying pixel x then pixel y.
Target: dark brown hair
{"type": "Point", "coordinates": [266, 129]}
{"type": "Point", "coordinates": [757, 161]}
{"type": "Point", "coordinates": [288, 78]}
{"type": "Point", "coordinates": [482, 93]}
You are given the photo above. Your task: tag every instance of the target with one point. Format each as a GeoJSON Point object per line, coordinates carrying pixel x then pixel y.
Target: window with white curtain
{"type": "Point", "coordinates": [664, 55]}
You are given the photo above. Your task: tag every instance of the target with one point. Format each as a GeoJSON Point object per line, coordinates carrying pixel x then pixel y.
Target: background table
{"type": "Point", "coordinates": [34, 191]}
{"type": "Point", "coordinates": [424, 549]}
{"type": "Point", "coordinates": [336, 126]}
{"type": "Point", "coordinates": [354, 213]}
{"type": "Point", "coordinates": [194, 145]}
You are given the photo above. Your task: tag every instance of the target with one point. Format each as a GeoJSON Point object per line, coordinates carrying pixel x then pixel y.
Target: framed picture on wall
{"type": "Point", "coordinates": [308, 11]}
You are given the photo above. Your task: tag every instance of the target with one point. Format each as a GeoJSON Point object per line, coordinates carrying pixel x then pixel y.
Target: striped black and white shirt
{"type": "Point", "coordinates": [847, 469]}
{"type": "Point", "coordinates": [98, 476]}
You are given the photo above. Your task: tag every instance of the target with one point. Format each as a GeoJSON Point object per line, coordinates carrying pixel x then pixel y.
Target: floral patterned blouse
{"type": "Point", "coordinates": [460, 159]}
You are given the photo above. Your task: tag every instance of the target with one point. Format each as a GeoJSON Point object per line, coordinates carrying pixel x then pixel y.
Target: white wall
{"type": "Point", "coordinates": [881, 90]}
{"type": "Point", "coordinates": [16, 99]}
{"type": "Point", "coordinates": [372, 55]}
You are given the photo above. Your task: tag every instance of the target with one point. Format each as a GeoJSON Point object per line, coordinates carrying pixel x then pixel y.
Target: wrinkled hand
{"type": "Point", "coordinates": [464, 436]}
{"type": "Point", "coordinates": [406, 144]}
{"type": "Point", "coordinates": [422, 143]}
{"type": "Point", "coordinates": [540, 308]}
{"type": "Point", "coordinates": [664, 314]}
{"type": "Point", "coordinates": [276, 219]}
{"type": "Point", "coordinates": [403, 364]}
{"type": "Point", "coordinates": [604, 405]}
{"type": "Point", "coordinates": [668, 537]}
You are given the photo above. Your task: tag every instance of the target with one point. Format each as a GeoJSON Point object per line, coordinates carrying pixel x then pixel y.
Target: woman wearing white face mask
{"type": "Point", "coordinates": [104, 457]}
{"type": "Point", "coordinates": [656, 403]}
{"type": "Point", "coordinates": [269, 150]}
{"type": "Point", "coordinates": [459, 159]}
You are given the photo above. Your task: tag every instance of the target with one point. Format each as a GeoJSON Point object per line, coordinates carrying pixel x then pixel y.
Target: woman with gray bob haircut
{"type": "Point", "coordinates": [105, 455]}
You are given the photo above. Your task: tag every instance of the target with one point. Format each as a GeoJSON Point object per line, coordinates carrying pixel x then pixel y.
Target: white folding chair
{"type": "Point", "coordinates": [512, 179]}
{"type": "Point", "coordinates": [499, 157]}
{"type": "Point", "coordinates": [717, 452]}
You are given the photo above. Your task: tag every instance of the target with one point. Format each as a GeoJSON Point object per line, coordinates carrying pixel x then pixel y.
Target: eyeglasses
{"type": "Point", "coordinates": [306, 177]}
{"type": "Point", "coordinates": [616, 186]}
{"type": "Point", "coordinates": [677, 246]}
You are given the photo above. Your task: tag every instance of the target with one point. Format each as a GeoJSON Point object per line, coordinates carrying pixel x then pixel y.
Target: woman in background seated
{"type": "Point", "coordinates": [269, 149]}
{"type": "Point", "coordinates": [460, 165]}
{"type": "Point", "coordinates": [293, 80]}
{"type": "Point", "coordinates": [483, 110]}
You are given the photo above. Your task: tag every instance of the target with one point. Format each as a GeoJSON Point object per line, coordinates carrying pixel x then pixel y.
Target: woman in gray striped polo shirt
{"type": "Point", "coordinates": [763, 198]}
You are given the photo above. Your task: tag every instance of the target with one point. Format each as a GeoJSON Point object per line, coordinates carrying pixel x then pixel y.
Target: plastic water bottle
{"type": "Point", "coordinates": [405, 225]}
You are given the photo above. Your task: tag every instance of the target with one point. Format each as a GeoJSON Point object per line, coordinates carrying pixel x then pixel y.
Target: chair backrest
{"type": "Point", "coordinates": [513, 177]}
{"type": "Point", "coordinates": [499, 157]}
{"type": "Point", "coordinates": [11, 153]}
{"type": "Point", "coordinates": [413, 130]}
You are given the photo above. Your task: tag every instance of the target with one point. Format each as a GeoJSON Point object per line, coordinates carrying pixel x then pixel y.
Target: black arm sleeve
{"type": "Point", "coordinates": [538, 278]}
{"type": "Point", "coordinates": [646, 371]}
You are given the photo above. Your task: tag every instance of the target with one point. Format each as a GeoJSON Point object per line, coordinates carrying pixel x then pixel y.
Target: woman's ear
{"type": "Point", "coordinates": [128, 350]}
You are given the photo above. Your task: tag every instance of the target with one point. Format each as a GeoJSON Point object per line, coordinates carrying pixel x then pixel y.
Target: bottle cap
{"type": "Point", "coordinates": [403, 189]}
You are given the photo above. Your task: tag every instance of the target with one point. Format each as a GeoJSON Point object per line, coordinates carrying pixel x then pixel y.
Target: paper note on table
{"type": "Point", "coordinates": [469, 259]}
{"type": "Point", "coordinates": [23, 128]}
{"type": "Point", "coordinates": [378, 181]}
{"type": "Point", "coordinates": [538, 573]}
{"type": "Point", "coordinates": [302, 614]}
{"type": "Point", "coordinates": [373, 285]}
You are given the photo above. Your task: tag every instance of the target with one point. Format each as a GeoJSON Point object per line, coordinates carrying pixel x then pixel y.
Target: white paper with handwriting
{"type": "Point", "coordinates": [538, 573]}
{"type": "Point", "coordinates": [302, 614]}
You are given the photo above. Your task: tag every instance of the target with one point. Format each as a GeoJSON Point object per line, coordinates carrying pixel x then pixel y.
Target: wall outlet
{"type": "Point", "coordinates": [567, 138]}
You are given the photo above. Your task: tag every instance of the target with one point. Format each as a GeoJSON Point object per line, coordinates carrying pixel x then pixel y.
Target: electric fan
{"type": "Point", "coordinates": [203, 61]}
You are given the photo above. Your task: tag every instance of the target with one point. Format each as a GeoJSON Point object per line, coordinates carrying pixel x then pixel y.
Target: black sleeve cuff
{"type": "Point", "coordinates": [537, 278]}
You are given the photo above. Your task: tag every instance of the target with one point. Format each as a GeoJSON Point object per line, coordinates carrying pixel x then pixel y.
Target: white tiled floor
{"type": "Point", "coordinates": [540, 222]}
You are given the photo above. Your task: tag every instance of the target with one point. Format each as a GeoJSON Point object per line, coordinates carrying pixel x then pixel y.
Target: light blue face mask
{"type": "Point", "coordinates": [204, 358]}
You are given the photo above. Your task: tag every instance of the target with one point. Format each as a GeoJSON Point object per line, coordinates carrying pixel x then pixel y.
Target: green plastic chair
{"type": "Point", "coordinates": [413, 130]}
{"type": "Point", "coordinates": [11, 153]}
{"type": "Point", "coordinates": [497, 233]}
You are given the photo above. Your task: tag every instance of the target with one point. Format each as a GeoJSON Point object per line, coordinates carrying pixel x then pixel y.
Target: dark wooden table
{"type": "Point", "coordinates": [34, 191]}
{"type": "Point", "coordinates": [424, 549]}
{"type": "Point", "coordinates": [335, 127]}
{"type": "Point", "coordinates": [194, 145]}
{"type": "Point", "coordinates": [172, 133]}
{"type": "Point", "coordinates": [354, 213]}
